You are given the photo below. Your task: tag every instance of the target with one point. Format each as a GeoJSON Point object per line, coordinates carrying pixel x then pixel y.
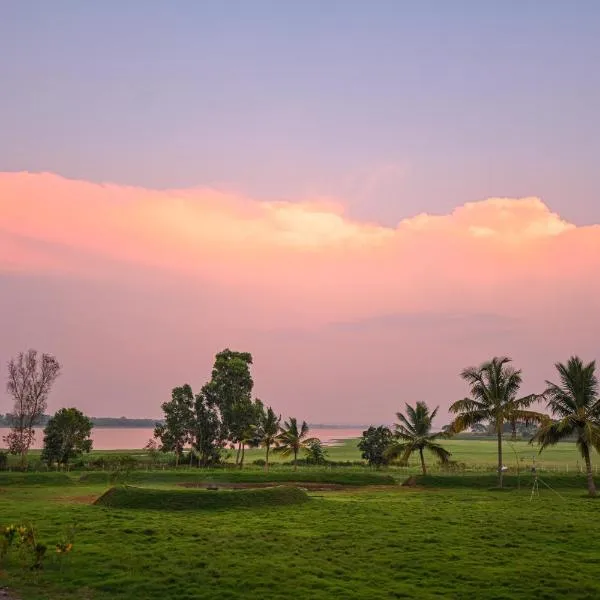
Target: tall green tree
{"type": "Point", "coordinates": [373, 445]}
{"type": "Point", "coordinates": [230, 390]}
{"type": "Point", "coordinates": [248, 428]}
{"type": "Point", "coordinates": [66, 436]}
{"type": "Point", "coordinates": [494, 386]}
{"type": "Point", "coordinates": [413, 434]}
{"type": "Point", "coordinates": [292, 439]}
{"type": "Point", "coordinates": [268, 431]}
{"type": "Point", "coordinates": [174, 433]}
{"type": "Point", "coordinates": [576, 405]}
{"type": "Point", "coordinates": [206, 431]}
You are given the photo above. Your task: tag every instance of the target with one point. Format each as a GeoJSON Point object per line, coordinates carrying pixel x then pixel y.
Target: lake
{"type": "Point", "coordinates": [124, 438]}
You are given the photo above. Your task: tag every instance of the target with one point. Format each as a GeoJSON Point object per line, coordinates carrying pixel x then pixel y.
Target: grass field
{"type": "Point", "coordinates": [449, 538]}
{"type": "Point", "coordinates": [472, 453]}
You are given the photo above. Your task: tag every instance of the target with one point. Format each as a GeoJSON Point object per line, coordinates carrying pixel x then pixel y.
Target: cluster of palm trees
{"type": "Point", "coordinates": [287, 440]}
{"type": "Point", "coordinates": [574, 404]}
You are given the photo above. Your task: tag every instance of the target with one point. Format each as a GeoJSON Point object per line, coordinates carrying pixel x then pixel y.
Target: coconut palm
{"type": "Point", "coordinates": [267, 433]}
{"type": "Point", "coordinates": [576, 404]}
{"type": "Point", "coordinates": [513, 415]}
{"type": "Point", "coordinates": [291, 439]}
{"type": "Point", "coordinates": [413, 433]}
{"type": "Point", "coordinates": [494, 386]}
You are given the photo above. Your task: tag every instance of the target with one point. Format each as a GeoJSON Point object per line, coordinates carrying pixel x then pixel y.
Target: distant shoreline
{"type": "Point", "coordinates": [125, 423]}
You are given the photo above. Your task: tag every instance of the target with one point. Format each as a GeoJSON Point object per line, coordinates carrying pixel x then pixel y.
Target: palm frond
{"type": "Point", "coordinates": [439, 452]}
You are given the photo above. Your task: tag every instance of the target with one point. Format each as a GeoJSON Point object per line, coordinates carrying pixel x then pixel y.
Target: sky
{"type": "Point", "coordinates": [367, 196]}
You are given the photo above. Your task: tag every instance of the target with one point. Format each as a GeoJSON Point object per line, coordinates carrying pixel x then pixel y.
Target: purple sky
{"type": "Point", "coordinates": [247, 110]}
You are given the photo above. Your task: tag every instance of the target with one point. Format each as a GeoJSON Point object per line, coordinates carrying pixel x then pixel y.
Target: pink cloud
{"type": "Point", "coordinates": [204, 269]}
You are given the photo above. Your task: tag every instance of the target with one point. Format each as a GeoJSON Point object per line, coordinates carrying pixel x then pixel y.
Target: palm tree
{"type": "Point", "coordinates": [513, 415]}
{"type": "Point", "coordinates": [268, 431]}
{"type": "Point", "coordinates": [576, 403]}
{"type": "Point", "coordinates": [291, 439]}
{"type": "Point", "coordinates": [494, 386]}
{"type": "Point", "coordinates": [414, 433]}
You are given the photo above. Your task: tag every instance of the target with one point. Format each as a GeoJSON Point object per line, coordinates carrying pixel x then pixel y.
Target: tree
{"type": "Point", "coordinates": [576, 404]}
{"type": "Point", "coordinates": [477, 428]}
{"type": "Point", "coordinates": [230, 390]}
{"type": "Point", "coordinates": [244, 430]}
{"type": "Point", "coordinates": [152, 449]}
{"type": "Point", "coordinates": [413, 434]}
{"type": "Point", "coordinates": [268, 430]}
{"type": "Point", "coordinates": [494, 386]}
{"type": "Point", "coordinates": [206, 431]}
{"type": "Point", "coordinates": [291, 439]}
{"type": "Point", "coordinates": [316, 454]}
{"type": "Point", "coordinates": [514, 418]}
{"type": "Point", "coordinates": [66, 436]}
{"type": "Point", "coordinates": [374, 444]}
{"type": "Point", "coordinates": [174, 433]}
{"type": "Point", "coordinates": [30, 380]}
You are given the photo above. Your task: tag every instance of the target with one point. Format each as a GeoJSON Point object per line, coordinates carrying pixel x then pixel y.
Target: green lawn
{"type": "Point", "coordinates": [450, 538]}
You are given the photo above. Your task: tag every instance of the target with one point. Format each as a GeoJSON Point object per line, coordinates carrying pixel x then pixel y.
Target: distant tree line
{"type": "Point", "coordinates": [224, 415]}
{"type": "Point", "coordinates": [108, 422]}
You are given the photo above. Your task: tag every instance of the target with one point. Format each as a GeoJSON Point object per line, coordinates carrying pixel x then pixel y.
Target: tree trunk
{"type": "Point", "coordinates": [243, 453]}
{"type": "Point", "coordinates": [422, 461]}
{"type": "Point", "coordinates": [176, 457]}
{"type": "Point", "coordinates": [295, 459]}
{"type": "Point", "coordinates": [267, 459]}
{"type": "Point", "coordinates": [588, 468]}
{"type": "Point", "coordinates": [500, 472]}
{"type": "Point", "coordinates": [513, 435]}
{"type": "Point", "coordinates": [237, 456]}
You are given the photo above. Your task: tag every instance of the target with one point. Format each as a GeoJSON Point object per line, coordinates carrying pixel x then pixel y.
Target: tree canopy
{"type": "Point", "coordinates": [66, 436]}
{"type": "Point", "coordinates": [576, 405]}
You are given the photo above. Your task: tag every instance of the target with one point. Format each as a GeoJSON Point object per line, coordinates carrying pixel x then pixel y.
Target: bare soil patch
{"type": "Point", "coordinates": [311, 486]}
{"type": "Point", "coordinates": [88, 499]}
{"type": "Point", "coordinates": [222, 485]}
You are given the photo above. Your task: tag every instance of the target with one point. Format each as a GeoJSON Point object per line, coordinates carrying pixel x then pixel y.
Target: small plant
{"type": "Point", "coordinates": [65, 546]}
{"type": "Point", "coordinates": [32, 552]}
{"type": "Point", "coordinates": [3, 460]}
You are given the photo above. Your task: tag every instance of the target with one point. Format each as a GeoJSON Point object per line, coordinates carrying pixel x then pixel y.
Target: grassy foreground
{"type": "Point", "coordinates": [449, 538]}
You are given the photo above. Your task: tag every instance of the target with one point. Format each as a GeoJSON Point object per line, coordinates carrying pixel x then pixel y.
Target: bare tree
{"type": "Point", "coordinates": [30, 379]}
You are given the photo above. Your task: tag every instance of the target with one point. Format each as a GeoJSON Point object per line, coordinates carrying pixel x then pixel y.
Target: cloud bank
{"type": "Point", "coordinates": [347, 320]}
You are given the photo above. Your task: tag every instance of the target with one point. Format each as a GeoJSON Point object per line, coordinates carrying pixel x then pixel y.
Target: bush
{"type": "Point", "coordinates": [3, 460]}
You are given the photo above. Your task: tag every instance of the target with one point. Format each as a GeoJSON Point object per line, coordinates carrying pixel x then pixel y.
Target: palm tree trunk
{"type": "Point", "coordinates": [588, 467]}
{"type": "Point", "coordinates": [295, 459]}
{"type": "Point", "coordinates": [243, 452]}
{"type": "Point", "coordinates": [500, 473]}
{"type": "Point", "coordinates": [513, 435]}
{"type": "Point", "coordinates": [267, 459]}
{"type": "Point", "coordinates": [422, 461]}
